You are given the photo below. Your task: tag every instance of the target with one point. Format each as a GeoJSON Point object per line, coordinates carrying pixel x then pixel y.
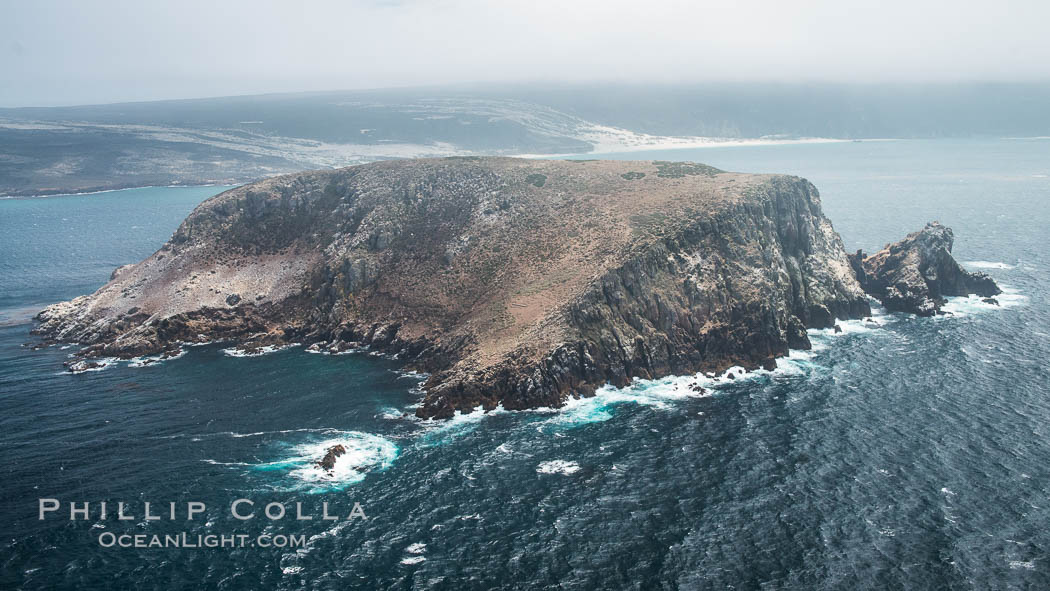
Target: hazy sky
{"type": "Point", "coordinates": [104, 51]}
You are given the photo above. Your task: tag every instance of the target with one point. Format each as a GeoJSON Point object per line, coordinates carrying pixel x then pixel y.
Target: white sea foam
{"type": "Point", "coordinates": [326, 431]}
{"type": "Point", "coordinates": [99, 365]}
{"type": "Point", "coordinates": [218, 463]}
{"type": "Point", "coordinates": [349, 351]}
{"type": "Point", "coordinates": [664, 392]}
{"type": "Point", "coordinates": [850, 327]}
{"type": "Point", "coordinates": [410, 560]}
{"type": "Point", "coordinates": [598, 408]}
{"type": "Point", "coordinates": [441, 431]}
{"type": "Point", "coordinates": [254, 434]}
{"type": "Point", "coordinates": [390, 413]}
{"type": "Point", "coordinates": [417, 548]}
{"type": "Point", "coordinates": [878, 320]}
{"type": "Point", "coordinates": [821, 339]}
{"type": "Point", "coordinates": [974, 304]}
{"type": "Point", "coordinates": [797, 362]}
{"type": "Point", "coordinates": [365, 453]}
{"type": "Point", "coordinates": [655, 393]}
{"type": "Point", "coordinates": [558, 467]}
{"type": "Point", "coordinates": [411, 374]}
{"type": "Point", "coordinates": [154, 359]}
{"type": "Point", "coordinates": [237, 352]}
{"type": "Point", "coordinates": [988, 265]}
{"type": "Point", "coordinates": [320, 349]}
{"type": "Point", "coordinates": [235, 434]}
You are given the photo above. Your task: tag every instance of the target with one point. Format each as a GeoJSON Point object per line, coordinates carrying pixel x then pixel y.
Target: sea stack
{"type": "Point", "coordinates": [915, 274]}
{"type": "Point", "coordinates": [512, 282]}
{"type": "Point", "coordinates": [327, 463]}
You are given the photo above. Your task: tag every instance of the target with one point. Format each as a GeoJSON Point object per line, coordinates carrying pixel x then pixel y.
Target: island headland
{"type": "Point", "coordinates": [510, 282]}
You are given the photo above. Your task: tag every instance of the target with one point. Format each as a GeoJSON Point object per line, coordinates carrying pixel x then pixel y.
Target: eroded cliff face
{"type": "Point", "coordinates": [512, 282]}
{"type": "Point", "coordinates": [915, 274]}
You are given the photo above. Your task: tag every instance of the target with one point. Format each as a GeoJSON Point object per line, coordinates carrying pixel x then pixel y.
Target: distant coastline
{"type": "Point", "coordinates": [119, 188]}
{"type": "Point", "coordinates": [603, 140]}
{"type": "Point", "coordinates": [691, 143]}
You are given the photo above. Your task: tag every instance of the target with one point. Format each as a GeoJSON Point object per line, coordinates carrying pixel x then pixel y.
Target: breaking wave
{"type": "Point", "coordinates": [558, 467]}
{"type": "Point", "coordinates": [442, 431]}
{"type": "Point", "coordinates": [148, 361]}
{"type": "Point", "coordinates": [987, 265]}
{"type": "Point", "coordinates": [365, 453]}
{"type": "Point", "coordinates": [974, 304]}
{"type": "Point", "coordinates": [257, 352]}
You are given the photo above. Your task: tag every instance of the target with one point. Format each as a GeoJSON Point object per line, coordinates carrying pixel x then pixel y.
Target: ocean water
{"type": "Point", "coordinates": [914, 453]}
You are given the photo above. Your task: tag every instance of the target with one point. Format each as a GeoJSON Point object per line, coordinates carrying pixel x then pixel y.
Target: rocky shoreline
{"type": "Point", "coordinates": [510, 282]}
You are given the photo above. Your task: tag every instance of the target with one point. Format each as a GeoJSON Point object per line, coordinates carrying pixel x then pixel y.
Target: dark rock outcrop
{"type": "Point", "coordinates": [915, 274]}
{"type": "Point", "coordinates": [327, 463]}
{"type": "Point", "coordinates": [506, 290]}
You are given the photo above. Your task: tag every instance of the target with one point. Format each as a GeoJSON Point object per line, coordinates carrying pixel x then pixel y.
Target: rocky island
{"type": "Point", "coordinates": [915, 274]}
{"type": "Point", "coordinates": [511, 282]}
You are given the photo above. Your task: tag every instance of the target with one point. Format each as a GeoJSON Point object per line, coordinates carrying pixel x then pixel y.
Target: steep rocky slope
{"type": "Point", "coordinates": [513, 282]}
{"type": "Point", "coordinates": [915, 274]}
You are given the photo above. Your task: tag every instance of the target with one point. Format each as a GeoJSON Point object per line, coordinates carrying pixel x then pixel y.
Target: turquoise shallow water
{"type": "Point", "coordinates": [912, 455]}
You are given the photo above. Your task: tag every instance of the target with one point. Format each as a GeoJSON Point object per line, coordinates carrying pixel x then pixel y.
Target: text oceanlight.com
{"type": "Point", "coordinates": [184, 540]}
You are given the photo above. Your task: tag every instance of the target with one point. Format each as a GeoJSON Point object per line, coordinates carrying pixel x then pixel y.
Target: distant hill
{"type": "Point", "coordinates": [807, 110]}
{"type": "Point", "coordinates": [239, 139]}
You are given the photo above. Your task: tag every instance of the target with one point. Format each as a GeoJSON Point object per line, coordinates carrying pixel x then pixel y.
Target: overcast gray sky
{"type": "Point", "coordinates": [55, 52]}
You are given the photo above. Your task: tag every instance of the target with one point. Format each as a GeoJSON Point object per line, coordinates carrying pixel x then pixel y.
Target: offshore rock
{"type": "Point", "coordinates": [915, 274]}
{"type": "Point", "coordinates": [327, 463]}
{"type": "Point", "coordinates": [505, 289]}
